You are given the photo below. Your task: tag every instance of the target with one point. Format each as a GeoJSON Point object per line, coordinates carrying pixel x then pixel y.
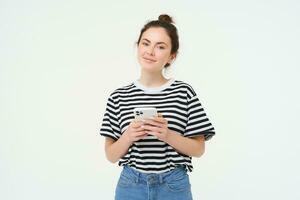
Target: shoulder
{"type": "Point", "coordinates": [124, 88]}
{"type": "Point", "coordinates": [121, 90]}
{"type": "Point", "coordinates": [186, 86]}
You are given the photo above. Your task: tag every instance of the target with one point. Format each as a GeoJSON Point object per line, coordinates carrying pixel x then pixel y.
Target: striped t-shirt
{"type": "Point", "coordinates": [178, 104]}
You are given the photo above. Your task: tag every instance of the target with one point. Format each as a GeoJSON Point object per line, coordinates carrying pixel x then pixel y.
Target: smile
{"type": "Point", "coordinates": [149, 60]}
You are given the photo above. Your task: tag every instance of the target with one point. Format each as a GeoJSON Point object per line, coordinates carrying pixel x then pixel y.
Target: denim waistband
{"type": "Point", "coordinates": [153, 177]}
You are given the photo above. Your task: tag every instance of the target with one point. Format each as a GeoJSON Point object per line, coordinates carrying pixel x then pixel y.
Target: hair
{"type": "Point", "coordinates": [166, 22]}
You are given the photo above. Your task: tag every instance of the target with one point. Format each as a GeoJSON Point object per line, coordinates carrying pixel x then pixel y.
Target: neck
{"type": "Point", "coordinates": [152, 79]}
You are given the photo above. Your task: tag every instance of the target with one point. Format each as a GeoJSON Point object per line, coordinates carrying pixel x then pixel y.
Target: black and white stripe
{"type": "Point", "coordinates": [179, 105]}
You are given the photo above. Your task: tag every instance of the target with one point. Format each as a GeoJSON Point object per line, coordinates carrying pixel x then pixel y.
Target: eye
{"type": "Point", "coordinates": [161, 47]}
{"type": "Point", "coordinates": [145, 43]}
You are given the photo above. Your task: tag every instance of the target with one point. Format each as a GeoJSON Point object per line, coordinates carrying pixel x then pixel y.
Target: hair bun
{"type": "Point", "coordinates": [165, 18]}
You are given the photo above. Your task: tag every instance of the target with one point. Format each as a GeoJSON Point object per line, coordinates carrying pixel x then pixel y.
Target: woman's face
{"type": "Point", "coordinates": [154, 49]}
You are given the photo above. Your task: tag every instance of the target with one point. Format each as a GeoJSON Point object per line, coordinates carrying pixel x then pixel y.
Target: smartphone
{"type": "Point", "coordinates": [144, 113]}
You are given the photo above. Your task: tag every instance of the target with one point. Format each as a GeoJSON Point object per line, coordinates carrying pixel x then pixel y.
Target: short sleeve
{"type": "Point", "coordinates": [110, 125]}
{"type": "Point", "coordinates": [198, 122]}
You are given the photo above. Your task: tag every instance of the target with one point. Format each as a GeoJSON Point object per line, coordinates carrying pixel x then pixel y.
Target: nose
{"type": "Point", "coordinates": [150, 50]}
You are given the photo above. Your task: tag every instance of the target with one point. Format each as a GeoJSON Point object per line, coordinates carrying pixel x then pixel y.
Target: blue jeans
{"type": "Point", "coordinates": [135, 185]}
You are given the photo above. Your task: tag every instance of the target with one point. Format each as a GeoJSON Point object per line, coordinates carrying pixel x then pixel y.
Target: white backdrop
{"type": "Point", "coordinates": [60, 60]}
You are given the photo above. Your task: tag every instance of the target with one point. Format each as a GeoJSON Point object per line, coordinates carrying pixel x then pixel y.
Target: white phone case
{"type": "Point", "coordinates": [144, 112]}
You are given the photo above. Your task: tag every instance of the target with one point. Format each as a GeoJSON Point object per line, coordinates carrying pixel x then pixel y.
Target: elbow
{"type": "Point", "coordinates": [200, 151]}
{"type": "Point", "coordinates": [109, 152]}
{"type": "Point", "coordinates": [111, 159]}
{"type": "Point", "coordinates": [199, 154]}
{"type": "Point", "coordinates": [109, 156]}
{"type": "Point", "coordinates": [200, 147]}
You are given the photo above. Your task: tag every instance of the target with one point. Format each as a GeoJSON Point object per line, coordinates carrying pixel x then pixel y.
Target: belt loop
{"type": "Point", "coordinates": [160, 179]}
{"type": "Point", "coordinates": [137, 177]}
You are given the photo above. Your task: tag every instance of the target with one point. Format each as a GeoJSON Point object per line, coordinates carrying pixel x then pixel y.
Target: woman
{"type": "Point", "coordinates": [155, 153]}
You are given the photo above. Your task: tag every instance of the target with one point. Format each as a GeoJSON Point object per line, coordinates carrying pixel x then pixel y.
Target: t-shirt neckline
{"type": "Point", "coordinates": [138, 84]}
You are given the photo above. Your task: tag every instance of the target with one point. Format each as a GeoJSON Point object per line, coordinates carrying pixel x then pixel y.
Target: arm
{"type": "Point", "coordinates": [191, 146]}
{"type": "Point", "coordinates": [194, 146]}
{"type": "Point", "coordinates": [116, 149]}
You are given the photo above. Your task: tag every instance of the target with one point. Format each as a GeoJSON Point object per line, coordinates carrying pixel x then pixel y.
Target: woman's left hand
{"type": "Point", "coordinates": [157, 126]}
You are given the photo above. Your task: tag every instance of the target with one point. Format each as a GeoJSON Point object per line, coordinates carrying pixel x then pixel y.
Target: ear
{"type": "Point", "coordinates": [172, 58]}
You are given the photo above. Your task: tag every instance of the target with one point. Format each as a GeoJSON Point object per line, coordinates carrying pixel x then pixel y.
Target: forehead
{"type": "Point", "coordinates": [156, 34]}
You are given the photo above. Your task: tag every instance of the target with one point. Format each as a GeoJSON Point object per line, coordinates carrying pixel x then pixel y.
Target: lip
{"type": "Point", "coordinates": [149, 59]}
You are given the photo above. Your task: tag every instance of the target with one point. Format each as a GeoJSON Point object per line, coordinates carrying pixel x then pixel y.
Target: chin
{"type": "Point", "coordinates": [150, 68]}
{"type": "Point", "coordinates": [147, 67]}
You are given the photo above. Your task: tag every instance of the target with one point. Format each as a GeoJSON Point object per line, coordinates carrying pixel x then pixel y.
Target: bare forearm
{"type": "Point", "coordinates": [117, 149]}
{"type": "Point", "coordinates": [185, 145]}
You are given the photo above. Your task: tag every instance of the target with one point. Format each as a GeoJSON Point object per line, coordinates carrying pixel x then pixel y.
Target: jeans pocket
{"type": "Point", "coordinates": [179, 184]}
{"type": "Point", "coordinates": [126, 181]}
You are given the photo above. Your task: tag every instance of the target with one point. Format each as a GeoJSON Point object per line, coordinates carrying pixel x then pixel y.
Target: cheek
{"type": "Point", "coordinates": [141, 51]}
{"type": "Point", "coordinates": [162, 56]}
{"type": "Point", "coordinates": [140, 54]}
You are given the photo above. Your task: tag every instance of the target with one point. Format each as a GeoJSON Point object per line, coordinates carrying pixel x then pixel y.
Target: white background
{"type": "Point", "coordinates": [61, 59]}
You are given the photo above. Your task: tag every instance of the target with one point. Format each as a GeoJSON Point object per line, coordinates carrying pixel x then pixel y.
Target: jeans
{"type": "Point", "coordinates": [135, 185]}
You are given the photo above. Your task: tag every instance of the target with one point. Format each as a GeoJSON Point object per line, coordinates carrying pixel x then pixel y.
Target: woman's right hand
{"type": "Point", "coordinates": [135, 131]}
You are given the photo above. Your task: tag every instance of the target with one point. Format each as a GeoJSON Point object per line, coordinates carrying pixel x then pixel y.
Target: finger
{"type": "Point", "coordinates": [160, 119]}
{"type": "Point", "coordinates": [153, 133]}
{"type": "Point", "coordinates": [137, 124]}
{"type": "Point", "coordinates": [152, 128]}
{"type": "Point", "coordinates": [139, 133]}
{"type": "Point", "coordinates": [139, 138]}
{"type": "Point", "coordinates": [139, 129]}
{"type": "Point", "coordinates": [134, 121]}
{"type": "Point", "coordinates": [153, 123]}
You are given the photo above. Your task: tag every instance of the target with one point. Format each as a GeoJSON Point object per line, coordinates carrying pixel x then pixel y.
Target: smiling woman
{"type": "Point", "coordinates": [155, 153]}
{"type": "Point", "coordinates": [154, 50]}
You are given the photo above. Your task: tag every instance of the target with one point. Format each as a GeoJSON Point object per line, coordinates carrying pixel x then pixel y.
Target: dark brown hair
{"type": "Point", "coordinates": [166, 22]}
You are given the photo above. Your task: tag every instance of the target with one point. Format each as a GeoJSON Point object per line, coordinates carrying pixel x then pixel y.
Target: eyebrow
{"type": "Point", "coordinates": [157, 42]}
